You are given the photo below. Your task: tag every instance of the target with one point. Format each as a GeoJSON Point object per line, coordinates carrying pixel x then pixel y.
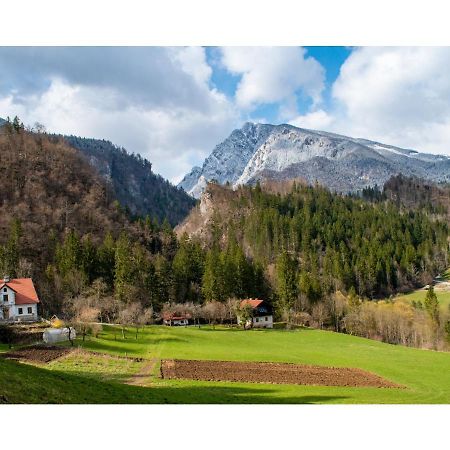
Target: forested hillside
{"type": "Point", "coordinates": [415, 193]}
{"type": "Point", "coordinates": [340, 241]}
{"type": "Point", "coordinates": [60, 220]}
{"type": "Point", "coordinates": [133, 183]}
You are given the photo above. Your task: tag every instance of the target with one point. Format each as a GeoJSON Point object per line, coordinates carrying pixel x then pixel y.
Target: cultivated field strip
{"type": "Point", "coordinates": [276, 373]}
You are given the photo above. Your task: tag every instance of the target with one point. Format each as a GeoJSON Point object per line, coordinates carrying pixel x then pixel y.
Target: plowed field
{"type": "Point", "coordinates": [276, 373]}
{"type": "Point", "coordinates": [38, 354]}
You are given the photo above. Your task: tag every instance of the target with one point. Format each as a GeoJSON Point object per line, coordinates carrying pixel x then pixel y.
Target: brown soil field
{"type": "Point", "coordinates": [276, 373]}
{"type": "Point", "coordinates": [38, 354]}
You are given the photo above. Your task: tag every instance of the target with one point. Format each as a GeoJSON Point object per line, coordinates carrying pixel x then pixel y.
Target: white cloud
{"type": "Point", "coordinates": [315, 120]}
{"type": "Point", "coordinates": [172, 117]}
{"type": "Point", "coordinates": [273, 75]}
{"type": "Point", "coordinates": [396, 95]}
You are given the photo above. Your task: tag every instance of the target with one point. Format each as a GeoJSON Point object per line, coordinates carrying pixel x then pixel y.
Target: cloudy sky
{"type": "Point", "coordinates": [173, 105]}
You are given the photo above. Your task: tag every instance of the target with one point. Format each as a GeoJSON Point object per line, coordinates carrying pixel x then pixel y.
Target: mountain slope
{"type": "Point", "coordinates": [50, 188]}
{"type": "Point", "coordinates": [133, 182]}
{"type": "Point", "coordinates": [282, 152]}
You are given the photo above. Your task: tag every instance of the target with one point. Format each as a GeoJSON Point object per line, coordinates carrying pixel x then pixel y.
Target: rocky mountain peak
{"type": "Point", "coordinates": [284, 151]}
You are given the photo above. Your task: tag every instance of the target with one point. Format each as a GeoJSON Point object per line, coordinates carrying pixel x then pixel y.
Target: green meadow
{"type": "Point", "coordinates": [419, 295]}
{"type": "Point", "coordinates": [85, 377]}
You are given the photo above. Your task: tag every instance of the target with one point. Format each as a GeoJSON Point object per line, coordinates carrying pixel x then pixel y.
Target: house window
{"type": "Point", "coordinates": [5, 297]}
{"type": "Point", "coordinates": [20, 310]}
{"type": "Point", "coordinates": [266, 319]}
{"type": "Point", "coordinates": [5, 289]}
{"type": "Point", "coordinates": [30, 310]}
{"type": "Point", "coordinates": [257, 319]}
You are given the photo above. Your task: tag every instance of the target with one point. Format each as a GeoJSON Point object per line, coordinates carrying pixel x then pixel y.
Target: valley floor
{"type": "Point", "coordinates": [104, 377]}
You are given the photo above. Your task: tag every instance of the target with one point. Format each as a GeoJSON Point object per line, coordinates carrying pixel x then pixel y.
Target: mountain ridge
{"type": "Point", "coordinates": [281, 152]}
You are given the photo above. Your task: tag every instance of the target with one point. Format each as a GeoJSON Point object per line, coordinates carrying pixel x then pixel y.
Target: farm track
{"type": "Point", "coordinates": [143, 377]}
{"type": "Point", "coordinates": [274, 373]}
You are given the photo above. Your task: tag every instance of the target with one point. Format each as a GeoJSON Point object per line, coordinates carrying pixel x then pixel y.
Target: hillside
{"type": "Point", "coordinates": [50, 188]}
{"type": "Point", "coordinates": [132, 181]}
{"type": "Point", "coordinates": [321, 228]}
{"type": "Point", "coordinates": [284, 152]}
{"type": "Point", "coordinates": [59, 219]}
{"type": "Point", "coordinates": [416, 193]}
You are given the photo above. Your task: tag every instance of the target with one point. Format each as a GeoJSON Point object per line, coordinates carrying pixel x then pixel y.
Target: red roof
{"type": "Point", "coordinates": [172, 316]}
{"type": "Point", "coordinates": [24, 289]}
{"type": "Point", "coordinates": [253, 302]}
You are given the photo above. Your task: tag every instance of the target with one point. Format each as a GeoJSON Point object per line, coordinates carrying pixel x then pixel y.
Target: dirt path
{"type": "Point", "coordinates": [277, 373]}
{"type": "Point", "coordinates": [143, 377]}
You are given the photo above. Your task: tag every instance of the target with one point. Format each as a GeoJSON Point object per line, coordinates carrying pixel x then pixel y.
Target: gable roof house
{"type": "Point", "coordinates": [172, 319]}
{"type": "Point", "coordinates": [261, 313]}
{"type": "Point", "coordinates": [18, 300]}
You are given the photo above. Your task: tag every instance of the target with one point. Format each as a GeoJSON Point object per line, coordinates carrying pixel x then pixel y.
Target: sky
{"type": "Point", "coordinates": [172, 105]}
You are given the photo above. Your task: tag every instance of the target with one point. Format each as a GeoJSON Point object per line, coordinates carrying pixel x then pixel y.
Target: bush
{"type": "Point", "coordinates": [8, 335]}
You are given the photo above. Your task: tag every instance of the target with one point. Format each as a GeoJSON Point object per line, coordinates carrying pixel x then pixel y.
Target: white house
{"type": "Point", "coordinates": [261, 314]}
{"type": "Point", "coordinates": [18, 300]}
{"type": "Point", "coordinates": [173, 320]}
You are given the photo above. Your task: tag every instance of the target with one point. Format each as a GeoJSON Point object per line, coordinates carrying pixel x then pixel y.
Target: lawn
{"type": "Point", "coordinates": [81, 379]}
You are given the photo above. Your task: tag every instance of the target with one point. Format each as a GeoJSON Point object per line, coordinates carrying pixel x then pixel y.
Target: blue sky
{"type": "Point", "coordinates": [173, 105]}
{"type": "Point", "coordinates": [331, 58]}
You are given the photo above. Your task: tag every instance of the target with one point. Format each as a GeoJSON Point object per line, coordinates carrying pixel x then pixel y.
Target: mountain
{"type": "Point", "coordinates": [283, 152]}
{"type": "Point", "coordinates": [133, 183]}
{"type": "Point", "coordinates": [228, 159]}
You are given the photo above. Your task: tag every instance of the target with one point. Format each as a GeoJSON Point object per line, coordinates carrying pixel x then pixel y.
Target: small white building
{"type": "Point", "coordinates": [18, 300]}
{"type": "Point", "coordinates": [173, 320]}
{"type": "Point", "coordinates": [261, 314]}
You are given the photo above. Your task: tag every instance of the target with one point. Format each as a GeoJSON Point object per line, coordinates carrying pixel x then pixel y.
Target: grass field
{"type": "Point", "coordinates": [98, 379]}
{"type": "Point", "coordinates": [419, 295]}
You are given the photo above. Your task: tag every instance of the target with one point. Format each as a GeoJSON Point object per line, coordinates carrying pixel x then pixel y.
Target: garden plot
{"type": "Point", "coordinates": [38, 353]}
{"type": "Point", "coordinates": [276, 373]}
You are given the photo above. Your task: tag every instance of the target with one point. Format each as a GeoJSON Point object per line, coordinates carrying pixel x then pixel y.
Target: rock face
{"type": "Point", "coordinates": [228, 159]}
{"type": "Point", "coordinates": [282, 152]}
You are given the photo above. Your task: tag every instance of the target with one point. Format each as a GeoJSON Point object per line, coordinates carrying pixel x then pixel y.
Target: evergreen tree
{"type": "Point", "coordinates": [123, 265]}
{"type": "Point", "coordinates": [431, 304]}
{"type": "Point", "coordinates": [286, 271]}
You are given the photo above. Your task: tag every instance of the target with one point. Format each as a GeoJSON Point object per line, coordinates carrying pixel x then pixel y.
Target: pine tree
{"type": "Point", "coordinates": [213, 276]}
{"type": "Point", "coordinates": [123, 267]}
{"type": "Point", "coordinates": [286, 271]}
{"type": "Point", "coordinates": [431, 304]}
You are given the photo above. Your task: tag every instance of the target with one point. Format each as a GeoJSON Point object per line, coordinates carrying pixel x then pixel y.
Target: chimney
{"type": "Point", "coordinates": [6, 278]}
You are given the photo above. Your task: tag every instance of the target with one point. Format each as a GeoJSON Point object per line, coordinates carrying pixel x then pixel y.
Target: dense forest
{"type": "Point", "coordinates": [322, 259]}
{"type": "Point", "coordinates": [334, 242]}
